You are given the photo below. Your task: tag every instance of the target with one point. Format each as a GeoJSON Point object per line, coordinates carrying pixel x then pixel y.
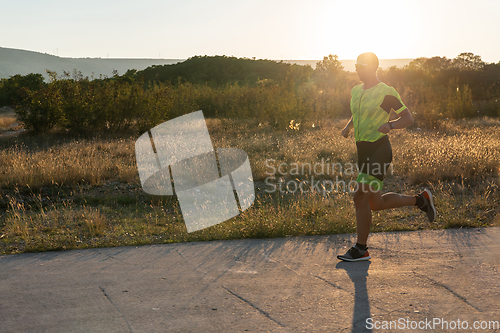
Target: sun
{"type": "Point", "coordinates": [388, 28]}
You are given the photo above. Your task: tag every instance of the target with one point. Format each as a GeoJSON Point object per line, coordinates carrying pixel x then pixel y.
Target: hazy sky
{"type": "Point", "coordinates": [267, 29]}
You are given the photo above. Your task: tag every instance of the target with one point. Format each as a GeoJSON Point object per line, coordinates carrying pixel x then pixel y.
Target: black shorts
{"type": "Point", "coordinates": [374, 158]}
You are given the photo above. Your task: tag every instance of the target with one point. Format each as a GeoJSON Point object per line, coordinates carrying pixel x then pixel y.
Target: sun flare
{"type": "Point", "coordinates": [389, 29]}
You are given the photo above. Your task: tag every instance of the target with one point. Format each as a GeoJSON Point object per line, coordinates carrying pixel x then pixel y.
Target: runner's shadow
{"type": "Point", "coordinates": [357, 272]}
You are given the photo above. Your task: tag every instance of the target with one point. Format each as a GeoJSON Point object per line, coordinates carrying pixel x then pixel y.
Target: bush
{"type": "Point", "coordinates": [11, 89]}
{"type": "Point", "coordinates": [264, 91]}
{"type": "Point", "coordinates": [41, 110]}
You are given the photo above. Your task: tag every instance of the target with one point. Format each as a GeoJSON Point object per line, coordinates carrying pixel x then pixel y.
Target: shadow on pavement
{"type": "Point", "coordinates": [357, 272]}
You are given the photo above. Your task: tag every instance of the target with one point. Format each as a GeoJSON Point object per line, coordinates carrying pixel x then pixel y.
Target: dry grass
{"type": "Point", "coordinates": [459, 153]}
{"type": "Point", "coordinates": [6, 122]}
{"type": "Point", "coordinates": [38, 163]}
{"type": "Point", "coordinates": [468, 151]}
{"type": "Point", "coordinates": [7, 118]}
{"type": "Point", "coordinates": [61, 193]}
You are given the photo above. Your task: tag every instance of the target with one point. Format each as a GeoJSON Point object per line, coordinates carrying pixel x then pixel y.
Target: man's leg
{"type": "Point", "coordinates": [362, 198]}
{"type": "Point", "coordinates": [390, 200]}
{"type": "Point", "coordinates": [366, 199]}
{"type": "Point", "coordinates": [423, 201]}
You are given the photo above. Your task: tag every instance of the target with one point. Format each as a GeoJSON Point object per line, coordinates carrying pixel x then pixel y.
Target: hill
{"type": "Point", "coordinates": [220, 70]}
{"type": "Point", "coordinates": [13, 61]}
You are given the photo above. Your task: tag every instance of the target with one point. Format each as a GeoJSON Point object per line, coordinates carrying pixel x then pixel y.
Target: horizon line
{"type": "Point", "coordinates": [162, 58]}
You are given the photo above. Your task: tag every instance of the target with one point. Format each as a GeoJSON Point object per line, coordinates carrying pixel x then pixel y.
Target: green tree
{"type": "Point", "coordinates": [41, 110]}
{"type": "Point", "coordinates": [430, 65]}
{"type": "Point", "coordinates": [10, 91]}
{"type": "Point", "coordinates": [329, 65]}
{"type": "Point", "coordinates": [468, 60]}
{"type": "Point", "coordinates": [329, 71]}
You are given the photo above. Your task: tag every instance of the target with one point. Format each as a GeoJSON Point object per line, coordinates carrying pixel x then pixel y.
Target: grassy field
{"type": "Point", "coordinates": [7, 119]}
{"type": "Point", "coordinates": [60, 193]}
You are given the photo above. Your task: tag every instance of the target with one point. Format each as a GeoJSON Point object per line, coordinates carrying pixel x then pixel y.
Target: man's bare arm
{"type": "Point", "coordinates": [405, 119]}
{"type": "Point", "coordinates": [347, 128]}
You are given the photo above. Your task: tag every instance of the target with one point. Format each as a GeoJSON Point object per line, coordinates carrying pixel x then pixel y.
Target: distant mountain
{"type": "Point", "coordinates": [13, 61]}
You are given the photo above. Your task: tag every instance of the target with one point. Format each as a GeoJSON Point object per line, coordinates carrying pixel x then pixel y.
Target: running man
{"type": "Point", "coordinates": [371, 105]}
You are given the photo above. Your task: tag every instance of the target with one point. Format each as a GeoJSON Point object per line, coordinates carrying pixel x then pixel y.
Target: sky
{"type": "Point", "coordinates": [265, 29]}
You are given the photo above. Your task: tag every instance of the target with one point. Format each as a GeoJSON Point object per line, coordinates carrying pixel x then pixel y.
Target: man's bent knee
{"type": "Point", "coordinates": [376, 205]}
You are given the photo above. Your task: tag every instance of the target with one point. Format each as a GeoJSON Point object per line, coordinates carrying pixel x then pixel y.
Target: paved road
{"type": "Point", "coordinates": [271, 285]}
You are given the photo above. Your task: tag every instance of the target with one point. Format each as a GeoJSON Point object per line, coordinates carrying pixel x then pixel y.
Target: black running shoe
{"type": "Point", "coordinates": [428, 206]}
{"type": "Point", "coordinates": [355, 254]}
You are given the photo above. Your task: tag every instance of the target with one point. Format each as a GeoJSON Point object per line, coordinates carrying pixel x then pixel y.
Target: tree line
{"type": "Point", "coordinates": [260, 90]}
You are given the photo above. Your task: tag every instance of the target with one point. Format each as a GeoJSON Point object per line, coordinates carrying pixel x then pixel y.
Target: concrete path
{"type": "Point", "coordinates": [273, 285]}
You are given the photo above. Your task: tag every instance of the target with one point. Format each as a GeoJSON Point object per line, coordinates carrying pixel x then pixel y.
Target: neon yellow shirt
{"type": "Point", "coordinates": [371, 109]}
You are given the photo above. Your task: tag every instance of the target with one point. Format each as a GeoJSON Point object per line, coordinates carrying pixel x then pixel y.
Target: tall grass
{"type": "Point", "coordinates": [461, 152]}
{"type": "Point", "coordinates": [44, 161]}
{"type": "Point", "coordinates": [458, 152]}
{"type": "Point", "coordinates": [61, 193]}
{"type": "Point", "coordinates": [6, 122]}
{"type": "Point", "coordinates": [7, 118]}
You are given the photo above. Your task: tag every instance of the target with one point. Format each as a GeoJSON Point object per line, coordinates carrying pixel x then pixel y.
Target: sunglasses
{"type": "Point", "coordinates": [360, 66]}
